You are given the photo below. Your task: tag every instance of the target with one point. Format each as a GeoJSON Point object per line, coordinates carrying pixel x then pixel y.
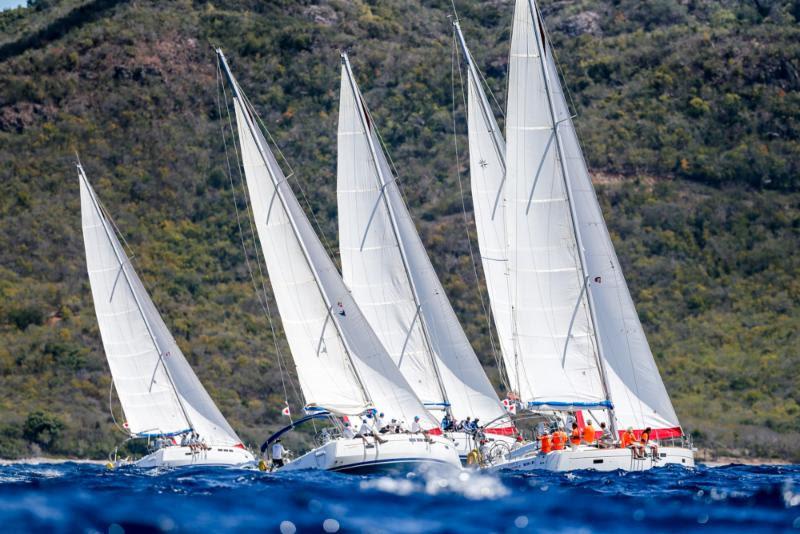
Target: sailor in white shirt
{"type": "Point", "coordinates": [415, 428]}
{"type": "Point", "coordinates": [277, 453]}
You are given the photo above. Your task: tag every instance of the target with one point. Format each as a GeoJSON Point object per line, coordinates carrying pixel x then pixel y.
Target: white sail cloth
{"type": "Point", "coordinates": [159, 392]}
{"type": "Point", "coordinates": [554, 333]}
{"type": "Point", "coordinates": [341, 364]}
{"type": "Point", "coordinates": [385, 264]}
{"type": "Point", "coordinates": [487, 151]}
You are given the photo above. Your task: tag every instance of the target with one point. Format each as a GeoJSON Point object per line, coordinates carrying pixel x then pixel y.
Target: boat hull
{"type": "Point", "coordinates": [400, 454]}
{"type": "Point", "coordinates": [185, 457]}
{"type": "Point", "coordinates": [597, 459]}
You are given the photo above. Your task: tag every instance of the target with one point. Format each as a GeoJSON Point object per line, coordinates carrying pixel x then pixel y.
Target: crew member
{"type": "Point", "coordinates": [277, 453]}
{"type": "Point", "coordinates": [575, 436]}
{"type": "Point", "coordinates": [546, 443]}
{"type": "Point", "coordinates": [588, 433]}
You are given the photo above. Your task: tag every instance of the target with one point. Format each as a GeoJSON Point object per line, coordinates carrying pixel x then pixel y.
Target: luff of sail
{"type": "Point", "coordinates": [635, 386]}
{"type": "Point", "coordinates": [385, 264]}
{"type": "Point", "coordinates": [341, 365]}
{"type": "Point", "coordinates": [487, 151]}
{"type": "Point", "coordinates": [553, 330]}
{"type": "Point", "coordinates": [158, 391]}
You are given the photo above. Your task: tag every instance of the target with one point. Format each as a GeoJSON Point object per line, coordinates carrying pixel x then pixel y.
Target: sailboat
{"type": "Point", "coordinates": [161, 397]}
{"type": "Point", "coordinates": [386, 267]}
{"type": "Point", "coordinates": [344, 371]}
{"type": "Point", "coordinates": [571, 340]}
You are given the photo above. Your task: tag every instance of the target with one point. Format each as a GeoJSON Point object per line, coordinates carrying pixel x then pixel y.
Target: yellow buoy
{"type": "Point", "coordinates": [262, 465]}
{"type": "Point", "coordinates": [109, 465]}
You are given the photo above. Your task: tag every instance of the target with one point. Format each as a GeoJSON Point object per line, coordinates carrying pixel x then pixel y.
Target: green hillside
{"type": "Point", "coordinates": [689, 113]}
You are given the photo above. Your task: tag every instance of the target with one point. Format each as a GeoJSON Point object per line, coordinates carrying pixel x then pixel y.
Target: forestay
{"type": "Point", "coordinates": [386, 266]}
{"type": "Point", "coordinates": [159, 392]}
{"type": "Point", "coordinates": [553, 329]}
{"type": "Point", "coordinates": [341, 364]}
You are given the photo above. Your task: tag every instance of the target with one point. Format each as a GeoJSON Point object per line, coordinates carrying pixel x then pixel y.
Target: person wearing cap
{"type": "Point", "coordinates": [277, 453]}
{"type": "Point", "coordinates": [380, 424]}
{"type": "Point", "coordinates": [604, 440]}
{"type": "Point", "coordinates": [415, 427]}
{"type": "Point", "coordinates": [367, 430]}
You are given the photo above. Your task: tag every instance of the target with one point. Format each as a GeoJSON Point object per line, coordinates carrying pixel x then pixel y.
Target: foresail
{"type": "Point", "coordinates": [555, 341]}
{"type": "Point", "coordinates": [341, 364]}
{"type": "Point", "coordinates": [384, 221]}
{"type": "Point", "coordinates": [635, 386]}
{"type": "Point", "coordinates": [487, 152]}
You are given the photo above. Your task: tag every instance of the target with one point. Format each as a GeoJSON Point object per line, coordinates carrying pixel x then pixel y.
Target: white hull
{"type": "Point", "coordinates": [597, 459]}
{"type": "Point", "coordinates": [184, 457]}
{"type": "Point", "coordinates": [400, 453]}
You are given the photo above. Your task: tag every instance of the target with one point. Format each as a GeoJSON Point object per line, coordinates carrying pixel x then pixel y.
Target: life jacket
{"type": "Point", "coordinates": [575, 437]}
{"type": "Point", "coordinates": [547, 444]}
{"type": "Point", "coordinates": [559, 439]}
{"type": "Point", "coordinates": [588, 434]}
{"type": "Point", "coordinates": [627, 439]}
{"type": "Point", "coordinates": [644, 438]}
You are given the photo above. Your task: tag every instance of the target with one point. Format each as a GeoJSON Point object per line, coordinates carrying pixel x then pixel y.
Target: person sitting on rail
{"type": "Point", "coordinates": [604, 439]}
{"type": "Point", "coordinates": [644, 439]}
{"type": "Point", "coordinates": [589, 434]}
{"type": "Point", "coordinates": [545, 443]}
{"type": "Point", "coordinates": [629, 442]}
{"type": "Point", "coordinates": [575, 436]}
{"type": "Point", "coordinates": [559, 439]}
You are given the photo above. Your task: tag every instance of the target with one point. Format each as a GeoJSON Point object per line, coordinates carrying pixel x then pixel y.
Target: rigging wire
{"type": "Point", "coordinates": [282, 368]}
{"type": "Point", "coordinates": [456, 64]}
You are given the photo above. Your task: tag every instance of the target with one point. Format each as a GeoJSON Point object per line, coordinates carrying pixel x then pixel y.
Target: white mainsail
{"type": "Point", "coordinates": [554, 334]}
{"type": "Point", "coordinates": [159, 392]}
{"type": "Point", "coordinates": [341, 364]}
{"type": "Point", "coordinates": [385, 265]}
{"type": "Point", "coordinates": [487, 153]}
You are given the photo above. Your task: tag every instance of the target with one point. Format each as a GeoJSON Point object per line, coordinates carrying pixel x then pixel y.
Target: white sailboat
{"type": "Point", "coordinates": [386, 267]}
{"type": "Point", "coordinates": [343, 369]}
{"type": "Point", "coordinates": [569, 333]}
{"type": "Point", "coordinates": [162, 398]}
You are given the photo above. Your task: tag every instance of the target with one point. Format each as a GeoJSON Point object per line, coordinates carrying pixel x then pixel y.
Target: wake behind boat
{"type": "Point", "coordinates": [572, 343]}
{"type": "Point", "coordinates": [343, 369]}
{"type": "Point", "coordinates": [163, 400]}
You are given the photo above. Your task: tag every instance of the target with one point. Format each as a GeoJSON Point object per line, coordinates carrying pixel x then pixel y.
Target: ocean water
{"type": "Point", "coordinates": [89, 498]}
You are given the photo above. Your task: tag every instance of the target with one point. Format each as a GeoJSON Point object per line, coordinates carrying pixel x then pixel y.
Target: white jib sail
{"type": "Point", "coordinates": [390, 274]}
{"type": "Point", "coordinates": [340, 363]}
{"type": "Point", "coordinates": [634, 383]}
{"type": "Point", "coordinates": [159, 392]}
{"type": "Point", "coordinates": [555, 341]}
{"type": "Point", "coordinates": [487, 151]}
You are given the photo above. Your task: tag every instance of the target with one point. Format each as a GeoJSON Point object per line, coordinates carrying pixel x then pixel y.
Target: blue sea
{"type": "Point", "coordinates": [74, 497]}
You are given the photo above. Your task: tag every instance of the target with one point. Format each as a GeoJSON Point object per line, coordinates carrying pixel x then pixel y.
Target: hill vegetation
{"type": "Point", "coordinates": [703, 95]}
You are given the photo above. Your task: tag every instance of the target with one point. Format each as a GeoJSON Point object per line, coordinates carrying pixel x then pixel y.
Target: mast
{"type": "Point", "coordinates": [293, 224]}
{"type": "Point", "coordinates": [541, 48]}
{"type": "Point", "coordinates": [383, 183]}
{"type": "Point", "coordinates": [150, 333]}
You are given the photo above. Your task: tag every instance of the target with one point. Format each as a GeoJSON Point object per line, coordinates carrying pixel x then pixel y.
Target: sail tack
{"type": "Point", "coordinates": [385, 264]}
{"type": "Point", "coordinates": [159, 392]}
{"type": "Point", "coordinates": [341, 364]}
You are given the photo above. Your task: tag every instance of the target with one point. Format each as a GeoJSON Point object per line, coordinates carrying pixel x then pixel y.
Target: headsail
{"type": "Point", "coordinates": [159, 392]}
{"type": "Point", "coordinates": [341, 364]}
{"type": "Point", "coordinates": [385, 264]}
{"type": "Point", "coordinates": [487, 164]}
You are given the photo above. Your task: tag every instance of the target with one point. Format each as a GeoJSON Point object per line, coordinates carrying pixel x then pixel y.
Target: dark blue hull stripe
{"type": "Point", "coordinates": [388, 463]}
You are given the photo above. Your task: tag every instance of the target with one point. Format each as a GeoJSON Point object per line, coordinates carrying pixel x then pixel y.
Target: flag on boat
{"type": "Point", "coordinates": [510, 405]}
{"type": "Point", "coordinates": [286, 411]}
